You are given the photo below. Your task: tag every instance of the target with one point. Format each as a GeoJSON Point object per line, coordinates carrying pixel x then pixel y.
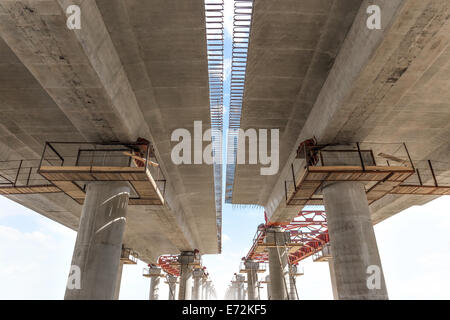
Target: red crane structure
{"type": "Point", "coordinates": [169, 263]}
{"type": "Point", "coordinates": [308, 235]}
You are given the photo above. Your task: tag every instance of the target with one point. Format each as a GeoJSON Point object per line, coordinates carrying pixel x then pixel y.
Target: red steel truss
{"type": "Point", "coordinates": [169, 264]}
{"type": "Point", "coordinates": [308, 228]}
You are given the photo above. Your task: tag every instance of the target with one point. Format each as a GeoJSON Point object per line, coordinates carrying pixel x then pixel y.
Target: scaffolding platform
{"type": "Point", "coordinates": [67, 167]}
{"type": "Point", "coordinates": [14, 190]}
{"type": "Point", "coordinates": [260, 269]}
{"type": "Point", "coordinates": [324, 254]}
{"type": "Point", "coordinates": [140, 179]}
{"type": "Point", "coordinates": [128, 256]}
{"type": "Point", "coordinates": [322, 164]}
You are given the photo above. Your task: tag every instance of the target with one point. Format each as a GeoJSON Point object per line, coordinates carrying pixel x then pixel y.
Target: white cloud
{"type": "Point", "coordinates": [225, 237]}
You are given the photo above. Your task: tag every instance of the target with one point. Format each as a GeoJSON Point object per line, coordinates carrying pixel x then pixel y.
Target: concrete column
{"type": "Point", "coordinates": [95, 262]}
{"type": "Point", "coordinates": [278, 263]}
{"type": "Point", "coordinates": [357, 264]}
{"type": "Point", "coordinates": [155, 274]}
{"type": "Point", "coordinates": [203, 289]}
{"type": "Point", "coordinates": [333, 279]}
{"type": "Point", "coordinates": [292, 288]}
{"type": "Point", "coordinates": [292, 283]}
{"type": "Point", "coordinates": [172, 282]}
{"type": "Point", "coordinates": [240, 279]}
{"type": "Point", "coordinates": [186, 258]}
{"type": "Point", "coordinates": [252, 278]}
{"type": "Point", "coordinates": [269, 292]}
{"type": "Point", "coordinates": [197, 274]}
{"type": "Point", "coordinates": [208, 290]}
{"type": "Point", "coordinates": [118, 281]}
{"type": "Point", "coordinates": [234, 291]}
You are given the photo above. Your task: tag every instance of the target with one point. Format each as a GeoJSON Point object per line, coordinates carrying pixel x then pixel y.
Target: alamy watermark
{"type": "Point", "coordinates": [74, 280]}
{"type": "Point", "coordinates": [190, 148]}
{"type": "Point", "coordinates": [374, 279]}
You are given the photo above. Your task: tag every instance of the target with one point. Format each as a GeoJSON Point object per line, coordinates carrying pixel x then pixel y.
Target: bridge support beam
{"type": "Point", "coordinates": [96, 258]}
{"type": "Point", "coordinates": [357, 264]}
{"type": "Point", "coordinates": [172, 282]}
{"type": "Point", "coordinates": [278, 262]}
{"type": "Point", "coordinates": [252, 278]}
{"type": "Point", "coordinates": [186, 258]}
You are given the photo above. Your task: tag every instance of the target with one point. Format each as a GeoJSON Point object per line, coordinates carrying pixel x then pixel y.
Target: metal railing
{"type": "Point", "coordinates": [366, 155]}
{"type": "Point", "coordinates": [112, 155]}
{"type": "Point", "coordinates": [21, 173]}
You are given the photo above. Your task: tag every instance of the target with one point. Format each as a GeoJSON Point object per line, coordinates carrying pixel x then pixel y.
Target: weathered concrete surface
{"type": "Point", "coordinates": [136, 68]}
{"type": "Point", "coordinates": [251, 268]}
{"type": "Point", "coordinates": [278, 264]}
{"type": "Point", "coordinates": [355, 250]}
{"type": "Point", "coordinates": [293, 45]}
{"type": "Point", "coordinates": [96, 256]}
{"type": "Point", "coordinates": [388, 85]}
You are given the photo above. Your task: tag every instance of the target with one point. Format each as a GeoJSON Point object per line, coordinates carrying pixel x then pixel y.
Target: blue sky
{"type": "Point", "coordinates": [414, 245]}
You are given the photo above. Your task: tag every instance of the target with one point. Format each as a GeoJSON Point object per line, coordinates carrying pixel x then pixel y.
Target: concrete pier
{"type": "Point", "coordinates": [197, 274]}
{"type": "Point", "coordinates": [186, 258]}
{"type": "Point", "coordinates": [208, 290]}
{"type": "Point", "coordinates": [172, 282]}
{"type": "Point", "coordinates": [292, 283]}
{"type": "Point", "coordinates": [333, 279]}
{"type": "Point", "coordinates": [357, 264]}
{"type": "Point", "coordinates": [118, 281]}
{"type": "Point", "coordinates": [96, 258]}
{"type": "Point", "coordinates": [203, 289]}
{"type": "Point", "coordinates": [252, 278]}
{"type": "Point", "coordinates": [240, 280]}
{"type": "Point", "coordinates": [269, 292]}
{"type": "Point", "coordinates": [278, 263]}
{"type": "Point", "coordinates": [154, 283]}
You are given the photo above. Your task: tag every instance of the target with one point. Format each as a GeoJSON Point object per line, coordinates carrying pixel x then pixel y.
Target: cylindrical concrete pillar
{"type": "Point", "coordinates": [278, 263]}
{"type": "Point", "coordinates": [208, 290]}
{"type": "Point", "coordinates": [293, 295]}
{"type": "Point", "coordinates": [240, 279]}
{"type": "Point", "coordinates": [96, 257]}
{"type": "Point", "coordinates": [292, 288]}
{"type": "Point", "coordinates": [172, 282]}
{"type": "Point", "coordinates": [185, 290]}
{"type": "Point", "coordinates": [197, 274]}
{"type": "Point", "coordinates": [118, 281]}
{"type": "Point", "coordinates": [357, 264]}
{"type": "Point", "coordinates": [154, 288]}
{"type": "Point", "coordinates": [269, 292]}
{"type": "Point", "coordinates": [203, 289]}
{"type": "Point", "coordinates": [251, 268]}
{"type": "Point", "coordinates": [333, 279]}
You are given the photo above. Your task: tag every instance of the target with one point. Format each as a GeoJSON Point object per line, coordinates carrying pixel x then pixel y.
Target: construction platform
{"type": "Point", "coordinates": [318, 165]}
{"type": "Point", "coordinates": [128, 256]}
{"type": "Point", "coordinates": [260, 269]}
{"type": "Point", "coordinates": [68, 166]}
{"type": "Point", "coordinates": [170, 264]}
